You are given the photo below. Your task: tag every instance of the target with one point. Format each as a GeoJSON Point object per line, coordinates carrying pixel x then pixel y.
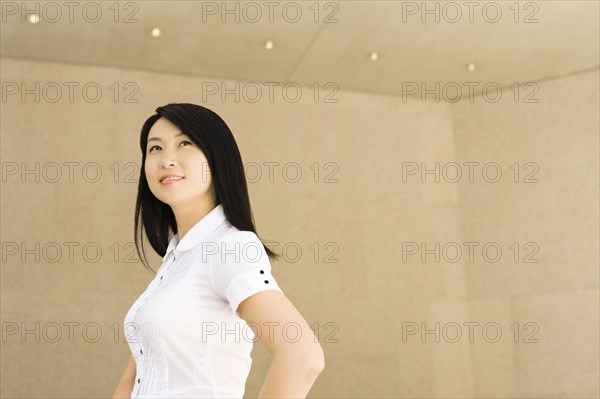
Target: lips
{"type": "Point", "coordinates": [168, 178]}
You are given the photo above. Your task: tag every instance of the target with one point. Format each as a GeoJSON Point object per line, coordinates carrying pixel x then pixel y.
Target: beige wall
{"type": "Point", "coordinates": [559, 214]}
{"type": "Point", "coordinates": [370, 294]}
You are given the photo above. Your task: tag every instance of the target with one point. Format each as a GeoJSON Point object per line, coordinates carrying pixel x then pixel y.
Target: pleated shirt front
{"type": "Point", "coordinates": [184, 332]}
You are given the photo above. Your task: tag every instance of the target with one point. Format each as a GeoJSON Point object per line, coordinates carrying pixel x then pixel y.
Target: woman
{"type": "Point", "coordinates": [191, 332]}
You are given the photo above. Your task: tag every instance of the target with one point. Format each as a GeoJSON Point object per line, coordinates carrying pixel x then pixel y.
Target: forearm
{"type": "Point", "coordinates": [123, 390]}
{"type": "Point", "coordinates": [291, 375]}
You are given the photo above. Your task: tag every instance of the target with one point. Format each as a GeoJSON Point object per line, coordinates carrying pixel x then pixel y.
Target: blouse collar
{"type": "Point", "coordinates": [198, 232]}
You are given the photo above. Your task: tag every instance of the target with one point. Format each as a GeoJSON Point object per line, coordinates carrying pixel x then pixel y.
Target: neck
{"type": "Point", "coordinates": [187, 215]}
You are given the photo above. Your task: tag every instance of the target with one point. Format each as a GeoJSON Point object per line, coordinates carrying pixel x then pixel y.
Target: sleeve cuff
{"type": "Point", "coordinates": [248, 284]}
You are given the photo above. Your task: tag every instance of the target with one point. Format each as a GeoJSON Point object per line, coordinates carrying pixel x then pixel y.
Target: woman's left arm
{"type": "Point", "coordinates": [298, 358]}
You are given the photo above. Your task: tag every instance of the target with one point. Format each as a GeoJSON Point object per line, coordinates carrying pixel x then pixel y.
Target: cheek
{"type": "Point", "coordinates": [197, 163]}
{"type": "Point", "coordinates": [148, 170]}
{"type": "Point", "coordinates": [200, 172]}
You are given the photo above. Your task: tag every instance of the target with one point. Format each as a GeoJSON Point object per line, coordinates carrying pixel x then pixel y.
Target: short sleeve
{"type": "Point", "coordinates": [241, 268]}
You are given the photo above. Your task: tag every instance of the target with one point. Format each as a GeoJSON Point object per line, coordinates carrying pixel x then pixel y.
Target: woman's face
{"type": "Point", "coordinates": [169, 151]}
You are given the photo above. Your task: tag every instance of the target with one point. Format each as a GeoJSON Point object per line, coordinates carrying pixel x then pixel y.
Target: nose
{"type": "Point", "coordinates": [166, 159]}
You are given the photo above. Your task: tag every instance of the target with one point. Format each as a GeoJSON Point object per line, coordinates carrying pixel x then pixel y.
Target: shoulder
{"type": "Point", "coordinates": [240, 266]}
{"type": "Point", "coordinates": [238, 246]}
{"type": "Point", "coordinates": [234, 236]}
{"type": "Point", "coordinates": [232, 232]}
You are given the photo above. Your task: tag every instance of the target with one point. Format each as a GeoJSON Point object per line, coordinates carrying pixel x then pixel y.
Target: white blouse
{"type": "Point", "coordinates": [184, 332]}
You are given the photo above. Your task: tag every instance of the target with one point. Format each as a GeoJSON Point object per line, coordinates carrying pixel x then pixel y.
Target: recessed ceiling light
{"type": "Point", "coordinates": [34, 18]}
{"type": "Point", "coordinates": [156, 32]}
{"type": "Point", "coordinates": [269, 45]}
{"type": "Point", "coordinates": [470, 67]}
{"type": "Point", "coordinates": [374, 56]}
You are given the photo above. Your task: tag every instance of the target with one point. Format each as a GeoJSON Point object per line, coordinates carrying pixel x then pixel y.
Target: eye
{"type": "Point", "coordinates": [184, 141]}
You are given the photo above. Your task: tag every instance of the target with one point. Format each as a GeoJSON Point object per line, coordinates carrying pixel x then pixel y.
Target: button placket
{"type": "Point", "coordinates": [149, 295]}
{"type": "Point", "coordinates": [160, 280]}
{"type": "Point", "coordinates": [153, 288]}
{"type": "Point", "coordinates": [172, 255]}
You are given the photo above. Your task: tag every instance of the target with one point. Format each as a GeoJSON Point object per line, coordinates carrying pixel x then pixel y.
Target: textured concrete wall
{"type": "Point", "coordinates": [354, 221]}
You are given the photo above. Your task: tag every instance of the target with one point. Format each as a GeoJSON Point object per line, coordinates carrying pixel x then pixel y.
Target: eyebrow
{"type": "Point", "coordinates": [159, 139]}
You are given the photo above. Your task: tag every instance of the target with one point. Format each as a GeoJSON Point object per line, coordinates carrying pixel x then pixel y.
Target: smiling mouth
{"type": "Point", "coordinates": [172, 179]}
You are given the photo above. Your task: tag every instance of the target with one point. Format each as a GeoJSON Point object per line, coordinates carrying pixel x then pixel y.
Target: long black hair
{"type": "Point", "coordinates": [212, 135]}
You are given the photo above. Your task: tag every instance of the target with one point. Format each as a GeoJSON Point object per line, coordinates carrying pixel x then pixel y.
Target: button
{"type": "Point", "coordinates": [161, 277]}
{"type": "Point", "coordinates": [138, 380]}
{"type": "Point", "coordinates": [262, 272]}
{"type": "Point", "coordinates": [141, 352]}
{"type": "Point", "coordinates": [266, 281]}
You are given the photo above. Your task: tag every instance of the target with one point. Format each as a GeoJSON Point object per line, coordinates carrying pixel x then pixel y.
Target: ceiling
{"type": "Point", "coordinates": [548, 39]}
